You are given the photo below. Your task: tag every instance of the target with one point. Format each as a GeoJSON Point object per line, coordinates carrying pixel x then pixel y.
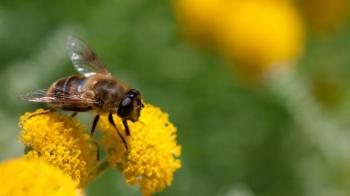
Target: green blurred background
{"type": "Point", "coordinates": [236, 140]}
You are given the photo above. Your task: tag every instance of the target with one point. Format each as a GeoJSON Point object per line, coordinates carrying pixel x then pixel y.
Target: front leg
{"type": "Point", "coordinates": [127, 130]}
{"type": "Point", "coordinates": [110, 119]}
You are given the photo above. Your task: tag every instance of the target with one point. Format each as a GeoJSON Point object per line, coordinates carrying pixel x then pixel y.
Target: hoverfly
{"type": "Point", "coordinates": [93, 89]}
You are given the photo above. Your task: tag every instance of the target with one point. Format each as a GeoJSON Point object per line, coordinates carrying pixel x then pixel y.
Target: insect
{"type": "Point", "coordinates": [93, 89]}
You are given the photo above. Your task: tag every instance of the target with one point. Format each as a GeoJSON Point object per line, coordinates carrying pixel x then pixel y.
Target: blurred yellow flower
{"type": "Point", "coordinates": [153, 152]}
{"type": "Point", "coordinates": [197, 19]}
{"type": "Point", "coordinates": [257, 35]}
{"type": "Point", "coordinates": [260, 35]}
{"type": "Point", "coordinates": [324, 15]}
{"type": "Point", "coordinates": [33, 177]}
{"type": "Point", "coordinates": [61, 141]}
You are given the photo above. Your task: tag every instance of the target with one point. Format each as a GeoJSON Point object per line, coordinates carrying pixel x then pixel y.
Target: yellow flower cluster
{"type": "Point", "coordinates": [61, 141]}
{"type": "Point", "coordinates": [259, 35]}
{"type": "Point", "coordinates": [197, 18]}
{"type": "Point", "coordinates": [153, 152]}
{"type": "Point", "coordinates": [34, 177]}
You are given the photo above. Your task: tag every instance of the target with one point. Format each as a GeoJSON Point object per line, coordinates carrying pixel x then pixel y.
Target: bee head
{"type": "Point", "coordinates": [130, 106]}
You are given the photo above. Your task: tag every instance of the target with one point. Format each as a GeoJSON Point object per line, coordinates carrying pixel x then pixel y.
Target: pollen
{"type": "Point", "coordinates": [153, 152]}
{"type": "Point", "coordinates": [59, 140]}
{"type": "Point", "coordinates": [33, 177]}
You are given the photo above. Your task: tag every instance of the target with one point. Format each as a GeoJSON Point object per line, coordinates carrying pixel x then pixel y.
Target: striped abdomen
{"type": "Point", "coordinates": [66, 90]}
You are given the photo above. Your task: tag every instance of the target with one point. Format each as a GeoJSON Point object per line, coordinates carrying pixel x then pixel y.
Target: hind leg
{"type": "Point", "coordinates": [48, 111]}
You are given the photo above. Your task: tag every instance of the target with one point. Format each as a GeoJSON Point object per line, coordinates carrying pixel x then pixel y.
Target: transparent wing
{"type": "Point", "coordinates": [84, 58]}
{"type": "Point", "coordinates": [62, 98]}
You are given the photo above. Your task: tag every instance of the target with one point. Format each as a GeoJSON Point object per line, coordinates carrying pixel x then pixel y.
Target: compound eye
{"type": "Point", "coordinates": [125, 107]}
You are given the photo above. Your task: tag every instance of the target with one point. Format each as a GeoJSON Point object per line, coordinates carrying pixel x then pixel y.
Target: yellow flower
{"type": "Point", "coordinates": [257, 35]}
{"type": "Point", "coordinates": [260, 35]}
{"type": "Point", "coordinates": [33, 177]}
{"type": "Point", "coordinates": [197, 18]}
{"type": "Point", "coordinates": [61, 141]}
{"type": "Point", "coordinates": [153, 151]}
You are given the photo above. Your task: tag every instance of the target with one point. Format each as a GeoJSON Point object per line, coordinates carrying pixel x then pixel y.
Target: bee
{"type": "Point", "coordinates": [93, 89]}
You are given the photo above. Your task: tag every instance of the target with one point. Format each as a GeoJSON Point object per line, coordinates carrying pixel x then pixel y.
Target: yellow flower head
{"type": "Point", "coordinates": [260, 35]}
{"type": "Point", "coordinates": [197, 19]}
{"type": "Point", "coordinates": [61, 141]}
{"type": "Point", "coordinates": [34, 177]}
{"type": "Point", "coordinates": [153, 151]}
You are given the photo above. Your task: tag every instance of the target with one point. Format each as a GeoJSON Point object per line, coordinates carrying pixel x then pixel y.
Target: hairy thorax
{"type": "Point", "coordinates": [107, 91]}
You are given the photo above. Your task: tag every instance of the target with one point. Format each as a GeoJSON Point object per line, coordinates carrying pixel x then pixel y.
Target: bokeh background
{"type": "Point", "coordinates": [243, 133]}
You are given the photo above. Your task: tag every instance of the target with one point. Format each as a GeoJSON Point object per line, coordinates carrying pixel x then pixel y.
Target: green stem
{"type": "Point", "coordinates": [332, 140]}
{"type": "Point", "coordinates": [102, 167]}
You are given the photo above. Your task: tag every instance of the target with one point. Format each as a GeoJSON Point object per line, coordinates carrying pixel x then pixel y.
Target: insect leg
{"type": "Point", "coordinates": [127, 130]}
{"type": "Point", "coordinates": [94, 125]}
{"type": "Point", "coordinates": [93, 128]}
{"type": "Point", "coordinates": [110, 119]}
{"type": "Point", "coordinates": [74, 114]}
{"type": "Point", "coordinates": [51, 110]}
{"type": "Point", "coordinates": [37, 114]}
{"type": "Point", "coordinates": [98, 150]}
